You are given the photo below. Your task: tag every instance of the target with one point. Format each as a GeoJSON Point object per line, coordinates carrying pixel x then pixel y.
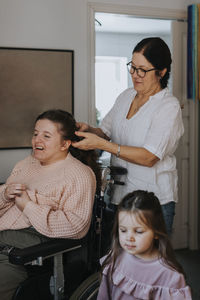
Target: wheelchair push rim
{"type": "Point", "coordinates": [88, 290]}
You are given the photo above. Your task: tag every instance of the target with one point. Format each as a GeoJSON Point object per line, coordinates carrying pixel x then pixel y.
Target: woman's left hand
{"type": "Point", "coordinates": [22, 200]}
{"type": "Point", "coordinates": [90, 141]}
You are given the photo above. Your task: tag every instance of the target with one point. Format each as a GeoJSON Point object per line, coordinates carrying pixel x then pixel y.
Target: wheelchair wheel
{"type": "Point", "coordinates": [88, 290]}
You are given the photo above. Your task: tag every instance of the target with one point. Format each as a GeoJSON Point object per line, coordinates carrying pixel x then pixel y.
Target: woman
{"type": "Point", "coordinates": [143, 128]}
{"type": "Point", "coordinates": [48, 194]}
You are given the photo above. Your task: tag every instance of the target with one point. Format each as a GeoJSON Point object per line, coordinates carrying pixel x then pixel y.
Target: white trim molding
{"type": "Point", "coordinates": [193, 173]}
{"type": "Point", "coordinates": [148, 12]}
{"type": "Point", "coordinates": [91, 66]}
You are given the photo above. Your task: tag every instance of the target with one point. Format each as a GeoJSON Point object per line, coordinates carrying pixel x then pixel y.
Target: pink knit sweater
{"type": "Point", "coordinates": [61, 194]}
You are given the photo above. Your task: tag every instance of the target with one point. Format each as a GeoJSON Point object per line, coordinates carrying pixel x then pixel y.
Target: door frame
{"type": "Point", "coordinates": [149, 12]}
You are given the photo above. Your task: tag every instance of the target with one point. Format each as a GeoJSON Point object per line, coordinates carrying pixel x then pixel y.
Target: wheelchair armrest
{"type": "Point", "coordinates": [47, 249]}
{"type": "Point", "coordinates": [116, 170]}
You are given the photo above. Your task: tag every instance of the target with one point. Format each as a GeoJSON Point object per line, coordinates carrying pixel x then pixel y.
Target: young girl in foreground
{"type": "Point", "coordinates": [141, 263]}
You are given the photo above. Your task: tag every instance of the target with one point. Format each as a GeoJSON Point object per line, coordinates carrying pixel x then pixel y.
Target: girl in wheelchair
{"type": "Point", "coordinates": [48, 195]}
{"type": "Point", "coordinates": [141, 263]}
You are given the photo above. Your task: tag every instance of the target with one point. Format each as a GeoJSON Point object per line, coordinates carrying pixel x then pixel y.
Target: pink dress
{"type": "Point", "coordinates": [134, 278]}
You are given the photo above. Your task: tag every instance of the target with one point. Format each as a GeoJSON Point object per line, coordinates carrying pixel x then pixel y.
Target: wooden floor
{"type": "Point", "coordinates": [190, 261]}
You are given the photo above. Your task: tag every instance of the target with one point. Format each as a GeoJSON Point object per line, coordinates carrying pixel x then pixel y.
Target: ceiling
{"type": "Point", "coordinates": [106, 22]}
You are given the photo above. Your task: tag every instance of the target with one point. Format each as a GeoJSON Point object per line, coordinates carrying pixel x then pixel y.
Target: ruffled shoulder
{"type": "Point", "coordinates": [143, 291]}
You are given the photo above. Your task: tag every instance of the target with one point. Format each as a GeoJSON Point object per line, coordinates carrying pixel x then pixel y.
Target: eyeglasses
{"type": "Point", "coordinates": [140, 72]}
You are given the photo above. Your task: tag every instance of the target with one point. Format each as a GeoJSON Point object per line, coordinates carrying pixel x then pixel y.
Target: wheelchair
{"type": "Point", "coordinates": [68, 269]}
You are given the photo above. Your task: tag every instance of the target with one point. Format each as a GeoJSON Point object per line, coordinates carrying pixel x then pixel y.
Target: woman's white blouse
{"type": "Point", "coordinates": [157, 127]}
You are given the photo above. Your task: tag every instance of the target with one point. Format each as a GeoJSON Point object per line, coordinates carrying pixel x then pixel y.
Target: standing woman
{"type": "Point", "coordinates": [143, 128]}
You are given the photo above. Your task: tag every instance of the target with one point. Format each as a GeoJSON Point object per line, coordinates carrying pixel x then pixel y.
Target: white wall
{"type": "Point", "coordinates": [57, 24]}
{"type": "Point", "coordinates": [192, 2]}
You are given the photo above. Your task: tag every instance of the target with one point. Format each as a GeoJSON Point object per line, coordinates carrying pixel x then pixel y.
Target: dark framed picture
{"type": "Point", "coordinates": [32, 81]}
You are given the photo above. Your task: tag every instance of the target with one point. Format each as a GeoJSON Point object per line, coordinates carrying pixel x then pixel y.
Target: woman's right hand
{"type": "Point", "coordinates": [14, 189]}
{"type": "Point", "coordinates": [90, 141]}
{"type": "Point", "coordinates": [82, 126]}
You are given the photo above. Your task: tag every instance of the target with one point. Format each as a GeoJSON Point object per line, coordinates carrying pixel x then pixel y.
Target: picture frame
{"type": "Point", "coordinates": [31, 82]}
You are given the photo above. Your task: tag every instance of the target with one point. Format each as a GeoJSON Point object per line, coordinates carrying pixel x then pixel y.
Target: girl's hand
{"type": "Point", "coordinates": [22, 200]}
{"type": "Point", "coordinates": [82, 126]}
{"type": "Point", "coordinates": [13, 190]}
{"type": "Point", "coordinates": [90, 142]}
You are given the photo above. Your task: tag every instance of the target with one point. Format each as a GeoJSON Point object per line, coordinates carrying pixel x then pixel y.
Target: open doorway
{"type": "Point", "coordinates": [115, 36]}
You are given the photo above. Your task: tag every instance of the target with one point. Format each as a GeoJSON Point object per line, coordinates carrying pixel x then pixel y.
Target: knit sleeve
{"type": "Point", "coordinates": [18, 169]}
{"type": "Point", "coordinates": [2, 194]}
{"type": "Point", "coordinates": [4, 204]}
{"type": "Point", "coordinates": [71, 218]}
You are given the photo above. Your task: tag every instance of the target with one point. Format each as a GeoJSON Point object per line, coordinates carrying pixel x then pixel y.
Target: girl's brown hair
{"type": "Point", "coordinates": [146, 206]}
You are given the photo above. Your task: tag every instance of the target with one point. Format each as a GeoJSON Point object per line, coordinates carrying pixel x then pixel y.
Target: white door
{"type": "Point", "coordinates": [180, 238]}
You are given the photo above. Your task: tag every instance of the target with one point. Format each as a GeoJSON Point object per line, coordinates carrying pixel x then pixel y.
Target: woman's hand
{"type": "Point", "coordinates": [90, 141]}
{"type": "Point", "coordinates": [13, 190]}
{"type": "Point", "coordinates": [82, 126]}
{"type": "Point", "coordinates": [22, 200]}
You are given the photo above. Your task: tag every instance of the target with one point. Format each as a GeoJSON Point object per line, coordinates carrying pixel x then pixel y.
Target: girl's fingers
{"type": "Point", "coordinates": [20, 187]}
{"type": "Point", "coordinates": [14, 190]}
{"type": "Point", "coordinates": [17, 193]}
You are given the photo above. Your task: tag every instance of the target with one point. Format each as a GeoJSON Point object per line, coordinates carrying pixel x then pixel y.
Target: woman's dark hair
{"type": "Point", "coordinates": [156, 51]}
{"type": "Point", "coordinates": [147, 209]}
{"type": "Point", "coordinates": [67, 128]}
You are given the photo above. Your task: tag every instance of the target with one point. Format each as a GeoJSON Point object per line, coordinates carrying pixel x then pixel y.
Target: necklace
{"type": "Point", "coordinates": [136, 108]}
{"type": "Point", "coordinates": [136, 105]}
{"type": "Point", "coordinates": [133, 109]}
